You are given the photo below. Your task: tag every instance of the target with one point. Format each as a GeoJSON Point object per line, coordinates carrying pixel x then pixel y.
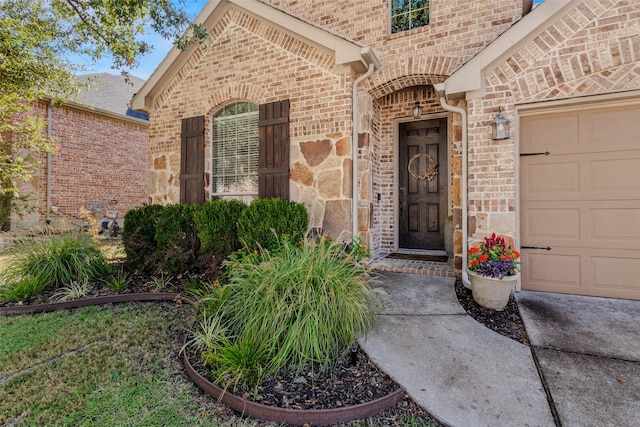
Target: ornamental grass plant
{"type": "Point", "coordinates": [494, 258]}
{"type": "Point", "coordinates": [302, 304]}
{"type": "Point", "coordinates": [50, 263]}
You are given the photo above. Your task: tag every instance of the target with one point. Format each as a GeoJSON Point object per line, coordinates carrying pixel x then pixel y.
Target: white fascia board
{"type": "Point", "coordinates": [470, 77]}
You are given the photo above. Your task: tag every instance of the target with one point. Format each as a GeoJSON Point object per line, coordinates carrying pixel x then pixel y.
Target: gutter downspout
{"type": "Point", "coordinates": [354, 150]}
{"type": "Point", "coordinates": [440, 94]}
{"type": "Point", "coordinates": [49, 135]}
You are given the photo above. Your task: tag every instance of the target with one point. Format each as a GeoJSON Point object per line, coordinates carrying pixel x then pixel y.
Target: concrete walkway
{"type": "Point", "coordinates": [465, 374]}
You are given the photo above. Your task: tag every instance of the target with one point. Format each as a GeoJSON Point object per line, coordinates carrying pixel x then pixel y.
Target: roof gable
{"type": "Point", "coordinates": [349, 55]}
{"type": "Point", "coordinates": [470, 77]}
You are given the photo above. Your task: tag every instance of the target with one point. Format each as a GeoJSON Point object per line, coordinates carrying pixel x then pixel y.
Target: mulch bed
{"type": "Point", "coordinates": [507, 322]}
{"type": "Point", "coordinates": [344, 384]}
{"type": "Point", "coordinates": [347, 383]}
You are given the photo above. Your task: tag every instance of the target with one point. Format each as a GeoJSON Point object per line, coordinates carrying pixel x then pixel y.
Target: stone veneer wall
{"type": "Point", "coordinates": [247, 60]}
{"type": "Point", "coordinates": [101, 163]}
{"type": "Point", "coordinates": [250, 61]}
{"type": "Point", "coordinates": [595, 49]}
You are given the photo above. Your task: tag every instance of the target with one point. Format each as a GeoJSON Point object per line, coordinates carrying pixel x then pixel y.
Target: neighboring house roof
{"type": "Point", "coordinates": [347, 53]}
{"type": "Point", "coordinates": [110, 93]}
{"type": "Point", "coordinates": [470, 76]}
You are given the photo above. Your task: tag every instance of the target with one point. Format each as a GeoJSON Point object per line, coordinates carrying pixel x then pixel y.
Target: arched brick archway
{"type": "Point", "coordinates": [234, 92]}
{"type": "Point", "coordinates": [418, 71]}
{"type": "Point", "coordinates": [382, 89]}
{"type": "Point", "coordinates": [392, 100]}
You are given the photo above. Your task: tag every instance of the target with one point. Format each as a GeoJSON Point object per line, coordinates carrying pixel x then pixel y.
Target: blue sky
{"type": "Point", "coordinates": [150, 61]}
{"type": "Point", "coordinates": [160, 47]}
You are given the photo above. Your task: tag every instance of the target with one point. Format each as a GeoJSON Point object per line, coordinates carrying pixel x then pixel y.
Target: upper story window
{"type": "Point", "coordinates": [408, 14]}
{"type": "Point", "coordinates": [234, 150]}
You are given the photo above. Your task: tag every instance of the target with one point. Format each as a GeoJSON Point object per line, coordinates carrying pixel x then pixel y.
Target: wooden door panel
{"type": "Point", "coordinates": [422, 148]}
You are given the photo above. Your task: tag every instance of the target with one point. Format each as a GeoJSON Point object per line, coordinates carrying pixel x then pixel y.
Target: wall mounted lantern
{"type": "Point", "coordinates": [500, 126]}
{"type": "Point", "coordinates": [417, 107]}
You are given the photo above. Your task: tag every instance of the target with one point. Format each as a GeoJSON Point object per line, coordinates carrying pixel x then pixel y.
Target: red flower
{"type": "Point", "coordinates": [474, 250]}
{"type": "Point", "coordinates": [516, 254]}
{"type": "Point", "coordinates": [475, 262]}
{"type": "Point", "coordinates": [484, 257]}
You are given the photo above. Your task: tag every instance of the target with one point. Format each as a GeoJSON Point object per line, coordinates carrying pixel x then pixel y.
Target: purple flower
{"type": "Point", "coordinates": [497, 268]}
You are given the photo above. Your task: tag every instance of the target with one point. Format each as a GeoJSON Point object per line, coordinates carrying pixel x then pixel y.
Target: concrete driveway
{"type": "Point", "coordinates": [587, 350]}
{"type": "Point", "coordinates": [582, 368]}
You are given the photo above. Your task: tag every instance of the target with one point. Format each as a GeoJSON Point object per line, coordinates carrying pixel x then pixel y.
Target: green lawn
{"type": "Point", "coordinates": [111, 365]}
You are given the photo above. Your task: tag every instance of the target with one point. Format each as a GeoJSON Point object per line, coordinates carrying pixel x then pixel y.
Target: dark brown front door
{"type": "Point", "coordinates": [423, 184]}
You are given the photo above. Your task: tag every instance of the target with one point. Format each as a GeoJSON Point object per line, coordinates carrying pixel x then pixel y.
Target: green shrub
{"type": "Point", "coordinates": [217, 226]}
{"type": "Point", "coordinates": [308, 303]}
{"type": "Point", "coordinates": [177, 240]}
{"type": "Point", "coordinates": [139, 237]}
{"type": "Point", "coordinates": [261, 224]}
{"type": "Point", "coordinates": [5, 210]}
{"type": "Point", "coordinates": [54, 261]}
{"type": "Point", "coordinates": [174, 221]}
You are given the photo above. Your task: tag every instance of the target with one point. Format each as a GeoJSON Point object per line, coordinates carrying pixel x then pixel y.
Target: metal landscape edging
{"type": "Point", "coordinates": [85, 302]}
{"type": "Point", "coordinates": [312, 417]}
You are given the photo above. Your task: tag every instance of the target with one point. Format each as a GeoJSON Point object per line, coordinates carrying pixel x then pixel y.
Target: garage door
{"type": "Point", "coordinates": [580, 203]}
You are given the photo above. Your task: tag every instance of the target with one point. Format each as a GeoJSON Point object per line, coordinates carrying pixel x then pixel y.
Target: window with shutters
{"type": "Point", "coordinates": [408, 14]}
{"type": "Point", "coordinates": [234, 148]}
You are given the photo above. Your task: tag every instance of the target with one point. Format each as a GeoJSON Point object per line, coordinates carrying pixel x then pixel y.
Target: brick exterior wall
{"type": "Point", "coordinates": [594, 49]}
{"type": "Point", "coordinates": [249, 60]}
{"type": "Point", "coordinates": [102, 163]}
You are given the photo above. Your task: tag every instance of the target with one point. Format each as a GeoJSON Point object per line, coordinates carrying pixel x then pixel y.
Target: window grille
{"type": "Point", "coordinates": [235, 152]}
{"type": "Point", "coordinates": [408, 14]}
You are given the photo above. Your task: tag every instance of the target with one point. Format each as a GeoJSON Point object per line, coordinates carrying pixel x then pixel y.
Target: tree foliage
{"type": "Point", "coordinates": [37, 38]}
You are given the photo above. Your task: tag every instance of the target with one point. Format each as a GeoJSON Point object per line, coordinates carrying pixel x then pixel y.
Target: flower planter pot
{"type": "Point", "coordinates": [491, 292]}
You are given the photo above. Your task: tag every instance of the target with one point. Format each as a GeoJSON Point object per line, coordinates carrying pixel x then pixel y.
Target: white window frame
{"type": "Point", "coordinates": [251, 153]}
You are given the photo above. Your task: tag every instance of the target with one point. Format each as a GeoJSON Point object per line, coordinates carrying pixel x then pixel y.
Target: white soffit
{"type": "Point", "coordinates": [348, 54]}
{"type": "Point", "coordinates": [470, 77]}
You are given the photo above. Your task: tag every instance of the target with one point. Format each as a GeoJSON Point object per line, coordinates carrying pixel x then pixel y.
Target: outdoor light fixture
{"type": "Point", "coordinates": [500, 126]}
{"type": "Point", "coordinates": [417, 108]}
